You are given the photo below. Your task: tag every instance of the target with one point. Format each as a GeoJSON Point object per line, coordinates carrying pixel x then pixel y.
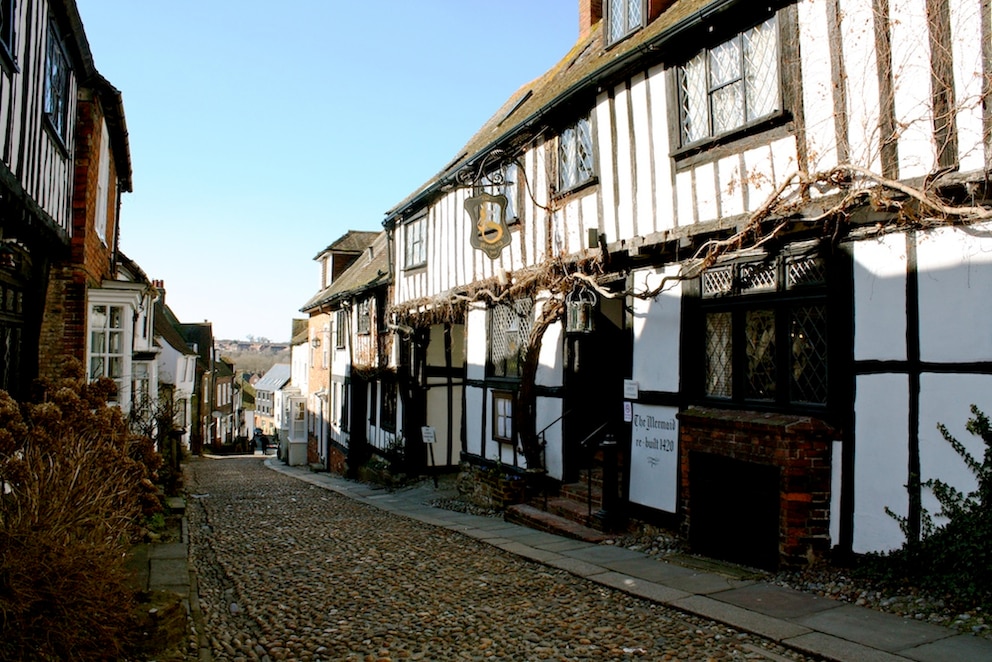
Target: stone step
{"type": "Point", "coordinates": [535, 518]}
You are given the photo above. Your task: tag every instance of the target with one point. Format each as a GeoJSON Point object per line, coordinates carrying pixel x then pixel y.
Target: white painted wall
{"type": "Point", "coordinates": [657, 329]}
{"type": "Point", "coordinates": [880, 298]}
{"type": "Point", "coordinates": [955, 266]}
{"type": "Point", "coordinates": [881, 460]}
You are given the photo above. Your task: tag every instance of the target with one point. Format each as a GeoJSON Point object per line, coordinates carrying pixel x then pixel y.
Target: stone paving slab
{"type": "Point", "coordinates": [835, 648]}
{"type": "Point", "coordinates": [886, 632]}
{"type": "Point", "coordinates": [601, 554]}
{"type": "Point", "coordinates": [171, 550]}
{"type": "Point", "coordinates": [528, 552]}
{"type": "Point", "coordinates": [169, 575]}
{"type": "Point", "coordinates": [740, 618]}
{"type": "Point", "coordinates": [961, 648]}
{"type": "Point", "coordinates": [564, 545]}
{"type": "Point", "coordinates": [575, 566]}
{"type": "Point", "coordinates": [776, 601]}
{"type": "Point", "coordinates": [639, 587]}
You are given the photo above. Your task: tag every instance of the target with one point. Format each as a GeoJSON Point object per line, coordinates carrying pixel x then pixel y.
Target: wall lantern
{"type": "Point", "coordinates": [580, 308]}
{"type": "Point", "coordinates": [315, 342]}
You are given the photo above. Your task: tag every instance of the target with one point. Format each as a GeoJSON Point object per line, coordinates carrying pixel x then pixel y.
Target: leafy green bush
{"type": "Point", "coordinates": [74, 489]}
{"type": "Point", "coordinates": [953, 560]}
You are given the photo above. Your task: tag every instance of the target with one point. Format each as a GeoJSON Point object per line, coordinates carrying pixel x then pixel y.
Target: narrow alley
{"type": "Point", "coordinates": [289, 571]}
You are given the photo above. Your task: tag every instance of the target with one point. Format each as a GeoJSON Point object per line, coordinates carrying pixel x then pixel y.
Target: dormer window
{"type": "Point", "coordinates": [730, 86]}
{"type": "Point", "coordinates": [622, 18]}
{"type": "Point", "coordinates": [575, 162]}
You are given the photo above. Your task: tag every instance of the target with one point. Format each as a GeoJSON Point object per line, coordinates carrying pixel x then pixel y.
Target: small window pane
{"type": "Point", "coordinates": [719, 350]}
{"type": "Point", "coordinates": [759, 330]}
{"type": "Point", "coordinates": [809, 354]}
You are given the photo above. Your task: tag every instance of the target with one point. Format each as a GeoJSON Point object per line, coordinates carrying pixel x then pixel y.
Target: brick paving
{"type": "Point", "coordinates": [286, 570]}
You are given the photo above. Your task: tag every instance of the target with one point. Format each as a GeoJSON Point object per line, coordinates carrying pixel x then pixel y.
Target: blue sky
{"type": "Point", "coordinates": [261, 133]}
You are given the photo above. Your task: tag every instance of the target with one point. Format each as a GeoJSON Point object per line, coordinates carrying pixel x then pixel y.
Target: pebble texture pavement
{"type": "Point", "coordinates": [286, 570]}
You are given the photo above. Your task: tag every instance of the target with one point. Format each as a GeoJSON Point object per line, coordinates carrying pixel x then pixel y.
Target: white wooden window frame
{"type": "Point", "coordinates": [415, 243]}
{"type": "Point", "coordinates": [723, 80]}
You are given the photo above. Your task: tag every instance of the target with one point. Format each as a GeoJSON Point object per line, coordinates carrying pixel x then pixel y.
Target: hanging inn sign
{"type": "Point", "coordinates": [490, 233]}
{"type": "Point", "coordinates": [487, 211]}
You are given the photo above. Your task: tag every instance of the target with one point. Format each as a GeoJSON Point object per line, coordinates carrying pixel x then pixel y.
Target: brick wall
{"type": "Point", "coordinates": [491, 487]}
{"type": "Point", "coordinates": [800, 447]}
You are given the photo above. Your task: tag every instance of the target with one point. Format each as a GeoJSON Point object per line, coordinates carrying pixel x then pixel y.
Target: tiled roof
{"type": "Point", "coordinates": [574, 81]}
{"type": "Point", "coordinates": [354, 241]}
{"type": "Point", "coordinates": [363, 274]}
{"type": "Point", "coordinates": [275, 378]}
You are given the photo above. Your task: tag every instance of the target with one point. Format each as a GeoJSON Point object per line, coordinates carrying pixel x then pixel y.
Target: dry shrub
{"type": "Point", "coordinates": [74, 487]}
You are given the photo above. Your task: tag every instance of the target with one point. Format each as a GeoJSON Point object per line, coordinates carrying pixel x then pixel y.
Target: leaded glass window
{"type": "Point", "coordinates": [765, 332]}
{"type": "Point", "coordinates": [8, 28]}
{"type": "Point", "coordinates": [575, 162]}
{"type": "Point", "coordinates": [509, 329]}
{"type": "Point", "coordinates": [365, 317]}
{"type": "Point", "coordinates": [623, 17]}
{"type": "Point", "coordinates": [730, 85]}
{"type": "Point", "coordinates": [56, 106]}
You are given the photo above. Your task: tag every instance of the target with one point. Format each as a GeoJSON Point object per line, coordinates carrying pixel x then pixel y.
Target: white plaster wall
{"type": "Point", "coordinates": [657, 330]}
{"type": "Point", "coordinates": [947, 399]}
{"type": "Point", "coordinates": [605, 167]}
{"type": "Point", "coordinates": [549, 414]}
{"type": "Point", "coordinates": [955, 280]}
{"type": "Point", "coordinates": [437, 418]}
{"type": "Point", "coordinates": [625, 164]}
{"type": "Point", "coordinates": [550, 371]}
{"type": "Point", "coordinates": [473, 419]}
{"type": "Point", "coordinates": [664, 212]}
{"type": "Point", "coordinates": [966, 26]}
{"type": "Point", "coordinates": [910, 66]}
{"type": "Point", "coordinates": [881, 461]}
{"type": "Point", "coordinates": [818, 103]}
{"type": "Point", "coordinates": [880, 298]}
{"type": "Point", "coordinates": [858, 28]}
{"type": "Point", "coordinates": [475, 342]}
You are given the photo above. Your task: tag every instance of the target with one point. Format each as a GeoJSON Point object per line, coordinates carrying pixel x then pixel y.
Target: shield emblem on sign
{"type": "Point", "coordinates": [490, 233]}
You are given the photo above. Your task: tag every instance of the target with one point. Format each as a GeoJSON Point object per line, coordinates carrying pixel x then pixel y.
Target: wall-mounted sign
{"type": "Point", "coordinates": [654, 457]}
{"type": "Point", "coordinates": [631, 389]}
{"type": "Point", "coordinates": [427, 433]}
{"type": "Point", "coordinates": [488, 214]}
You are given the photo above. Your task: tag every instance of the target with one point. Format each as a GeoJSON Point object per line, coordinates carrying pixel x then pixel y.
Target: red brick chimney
{"type": "Point", "coordinates": [590, 12]}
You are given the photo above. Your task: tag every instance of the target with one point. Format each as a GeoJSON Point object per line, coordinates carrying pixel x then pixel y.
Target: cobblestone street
{"type": "Point", "coordinates": [290, 571]}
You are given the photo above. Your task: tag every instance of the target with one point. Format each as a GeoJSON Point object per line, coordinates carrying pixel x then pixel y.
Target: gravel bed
{"type": "Point", "coordinates": [288, 571]}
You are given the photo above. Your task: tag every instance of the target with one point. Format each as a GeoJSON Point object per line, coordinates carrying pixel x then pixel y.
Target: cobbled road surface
{"type": "Point", "coordinates": [289, 571]}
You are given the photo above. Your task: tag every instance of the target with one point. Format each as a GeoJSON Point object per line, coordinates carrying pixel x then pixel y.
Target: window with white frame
{"type": "Point", "coordinates": [575, 157]}
{"type": "Point", "coordinates": [103, 185]}
{"type": "Point", "coordinates": [56, 101]}
{"type": "Point", "coordinates": [503, 416]}
{"type": "Point", "coordinates": [622, 18]}
{"type": "Point", "coordinates": [415, 243]}
{"type": "Point", "coordinates": [107, 347]}
{"type": "Point", "coordinates": [731, 85]}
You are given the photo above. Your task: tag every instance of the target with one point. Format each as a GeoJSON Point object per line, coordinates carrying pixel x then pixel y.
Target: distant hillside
{"type": "Point", "coordinates": [253, 356]}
